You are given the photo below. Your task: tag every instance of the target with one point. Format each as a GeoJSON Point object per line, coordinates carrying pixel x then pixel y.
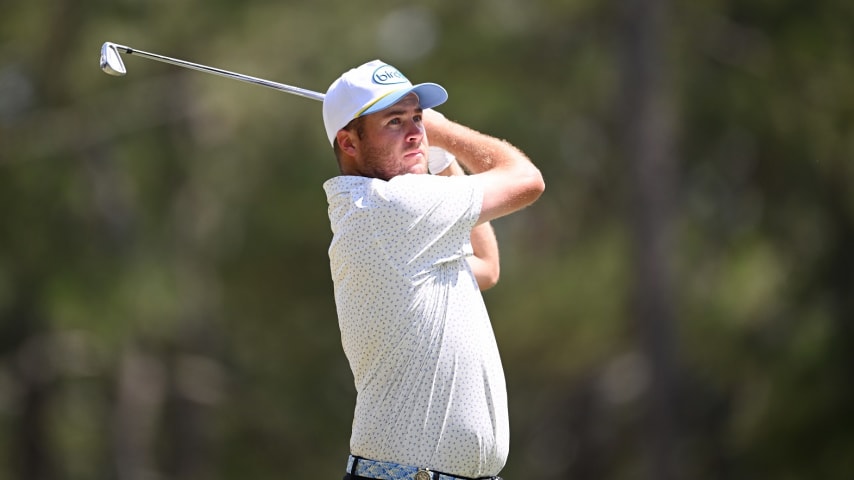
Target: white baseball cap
{"type": "Point", "coordinates": [370, 88]}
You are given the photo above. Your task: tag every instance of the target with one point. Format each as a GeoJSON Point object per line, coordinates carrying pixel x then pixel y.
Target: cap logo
{"type": "Point", "coordinates": [388, 75]}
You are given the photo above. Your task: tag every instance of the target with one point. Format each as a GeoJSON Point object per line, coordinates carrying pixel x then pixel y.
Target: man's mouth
{"type": "Point", "coordinates": [413, 153]}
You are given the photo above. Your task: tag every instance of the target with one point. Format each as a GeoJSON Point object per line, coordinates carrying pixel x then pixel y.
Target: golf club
{"type": "Point", "coordinates": [111, 63]}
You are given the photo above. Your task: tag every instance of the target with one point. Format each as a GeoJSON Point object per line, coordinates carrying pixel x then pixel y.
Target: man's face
{"type": "Point", "coordinates": [393, 141]}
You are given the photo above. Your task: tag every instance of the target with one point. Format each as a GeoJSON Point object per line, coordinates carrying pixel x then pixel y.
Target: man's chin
{"type": "Point", "coordinates": [418, 169]}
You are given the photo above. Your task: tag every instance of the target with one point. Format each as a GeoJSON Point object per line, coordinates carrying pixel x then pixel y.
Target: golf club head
{"type": "Point", "coordinates": [111, 61]}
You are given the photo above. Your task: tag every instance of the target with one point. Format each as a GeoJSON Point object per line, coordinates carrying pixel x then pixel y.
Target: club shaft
{"type": "Point", "coordinates": [224, 73]}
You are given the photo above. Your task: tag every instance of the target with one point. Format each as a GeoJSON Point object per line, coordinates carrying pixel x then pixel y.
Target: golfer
{"type": "Point", "coordinates": [409, 256]}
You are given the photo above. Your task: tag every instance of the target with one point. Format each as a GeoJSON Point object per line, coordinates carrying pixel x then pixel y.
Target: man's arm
{"type": "Point", "coordinates": [511, 182]}
{"type": "Point", "coordinates": [485, 263]}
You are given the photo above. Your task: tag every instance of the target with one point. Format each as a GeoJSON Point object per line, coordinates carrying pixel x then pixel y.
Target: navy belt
{"type": "Point", "coordinates": [363, 467]}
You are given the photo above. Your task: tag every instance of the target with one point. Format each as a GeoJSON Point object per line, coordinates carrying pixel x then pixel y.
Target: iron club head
{"type": "Point", "coordinates": [111, 61]}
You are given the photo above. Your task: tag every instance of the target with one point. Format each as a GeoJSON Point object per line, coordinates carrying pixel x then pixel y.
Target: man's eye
{"type": "Point", "coordinates": [417, 119]}
{"type": "Point", "coordinates": [394, 121]}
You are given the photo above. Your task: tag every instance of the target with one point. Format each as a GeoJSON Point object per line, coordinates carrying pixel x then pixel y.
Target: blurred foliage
{"type": "Point", "coordinates": [165, 303]}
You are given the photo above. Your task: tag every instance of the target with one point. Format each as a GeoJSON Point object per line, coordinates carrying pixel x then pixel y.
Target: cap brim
{"type": "Point", "coordinates": [429, 95]}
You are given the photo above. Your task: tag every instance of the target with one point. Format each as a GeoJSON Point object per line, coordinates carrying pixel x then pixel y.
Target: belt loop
{"type": "Point", "coordinates": [436, 475]}
{"type": "Point", "coordinates": [355, 464]}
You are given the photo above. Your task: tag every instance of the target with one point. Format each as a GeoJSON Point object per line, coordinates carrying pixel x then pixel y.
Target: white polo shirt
{"type": "Point", "coordinates": [429, 381]}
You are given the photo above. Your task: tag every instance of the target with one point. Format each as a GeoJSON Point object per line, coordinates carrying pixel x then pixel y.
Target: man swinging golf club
{"type": "Point", "coordinates": [410, 253]}
{"type": "Point", "coordinates": [409, 256]}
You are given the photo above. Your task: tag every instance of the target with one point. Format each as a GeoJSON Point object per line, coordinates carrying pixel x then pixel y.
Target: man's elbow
{"type": "Point", "coordinates": [535, 185]}
{"type": "Point", "coordinates": [488, 279]}
{"type": "Point", "coordinates": [539, 183]}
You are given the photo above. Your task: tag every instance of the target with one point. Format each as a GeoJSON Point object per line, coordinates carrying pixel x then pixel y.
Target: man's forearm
{"type": "Point", "coordinates": [476, 151]}
{"type": "Point", "coordinates": [511, 182]}
{"type": "Point", "coordinates": [485, 263]}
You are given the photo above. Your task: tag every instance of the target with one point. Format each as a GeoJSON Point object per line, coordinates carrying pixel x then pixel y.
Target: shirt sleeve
{"type": "Point", "coordinates": [423, 220]}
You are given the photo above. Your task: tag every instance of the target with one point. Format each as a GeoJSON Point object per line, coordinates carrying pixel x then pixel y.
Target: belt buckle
{"type": "Point", "coordinates": [423, 474]}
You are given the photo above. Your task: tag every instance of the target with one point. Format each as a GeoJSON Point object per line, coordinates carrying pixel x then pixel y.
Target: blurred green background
{"type": "Point", "coordinates": [678, 304]}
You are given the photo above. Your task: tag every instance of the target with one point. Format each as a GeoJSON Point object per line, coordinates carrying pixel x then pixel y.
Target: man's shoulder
{"type": "Point", "coordinates": [346, 183]}
{"type": "Point", "coordinates": [401, 183]}
{"type": "Point", "coordinates": [402, 188]}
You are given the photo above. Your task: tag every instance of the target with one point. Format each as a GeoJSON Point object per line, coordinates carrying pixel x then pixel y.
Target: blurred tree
{"type": "Point", "coordinates": [648, 139]}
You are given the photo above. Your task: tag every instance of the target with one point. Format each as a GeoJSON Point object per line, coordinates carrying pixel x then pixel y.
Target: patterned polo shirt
{"type": "Point", "coordinates": [429, 381]}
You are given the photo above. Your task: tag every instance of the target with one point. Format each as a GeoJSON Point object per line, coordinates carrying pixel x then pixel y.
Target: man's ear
{"type": "Point", "coordinates": [346, 142]}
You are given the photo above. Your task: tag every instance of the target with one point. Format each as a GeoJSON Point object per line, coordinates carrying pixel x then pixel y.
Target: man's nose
{"type": "Point", "coordinates": [415, 132]}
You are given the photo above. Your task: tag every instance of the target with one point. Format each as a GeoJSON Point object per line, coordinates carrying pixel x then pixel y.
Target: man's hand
{"type": "Point", "coordinates": [439, 160]}
{"type": "Point", "coordinates": [432, 119]}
